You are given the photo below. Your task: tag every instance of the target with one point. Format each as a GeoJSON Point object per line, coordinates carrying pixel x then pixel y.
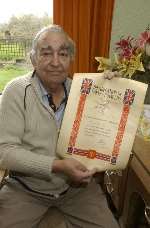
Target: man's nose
{"type": "Point", "coordinates": [55, 59]}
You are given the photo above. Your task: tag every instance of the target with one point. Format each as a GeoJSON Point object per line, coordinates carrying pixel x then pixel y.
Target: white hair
{"type": "Point", "coordinates": [52, 28]}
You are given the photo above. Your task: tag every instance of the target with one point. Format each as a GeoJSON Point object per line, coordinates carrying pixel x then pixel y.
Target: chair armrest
{"type": "Point", "coordinates": [3, 174]}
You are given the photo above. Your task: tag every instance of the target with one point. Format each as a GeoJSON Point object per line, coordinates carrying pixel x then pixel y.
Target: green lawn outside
{"type": "Point", "coordinates": [10, 72]}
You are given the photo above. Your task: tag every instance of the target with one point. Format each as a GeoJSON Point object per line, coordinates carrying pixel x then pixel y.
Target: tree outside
{"type": "Point", "coordinates": [16, 36]}
{"type": "Point", "coordinates": [25, 26]}
{"type": "Point", "coordinates": [15, 45]}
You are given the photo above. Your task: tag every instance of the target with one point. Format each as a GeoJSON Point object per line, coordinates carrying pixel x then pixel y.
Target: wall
{"type": "Point", "coordinates": [131, 17]}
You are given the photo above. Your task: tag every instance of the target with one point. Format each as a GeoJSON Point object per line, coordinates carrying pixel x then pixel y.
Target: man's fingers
{"type": "Point", "coordinates": [88, 175]}
{"type": "Point", "coordinates": [117, 74]}
{"type": "Point", "coordinates": [111, 74]}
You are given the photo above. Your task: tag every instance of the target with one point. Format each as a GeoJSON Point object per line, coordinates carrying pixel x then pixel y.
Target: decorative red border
{"type": "Point", "coordinates": [127, 101]}
{"type": "Point", "coordinates": [85, 90]}
{"type": "Point", "coordinates": [92, 154]}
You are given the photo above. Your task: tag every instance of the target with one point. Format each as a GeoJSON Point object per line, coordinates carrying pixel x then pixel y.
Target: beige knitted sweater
{"type": "Point", "coordinates": [28, 136]}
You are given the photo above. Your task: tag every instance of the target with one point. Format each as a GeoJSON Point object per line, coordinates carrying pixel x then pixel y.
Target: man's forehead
{"type": "Point", "coordinates": [53, 46]}
{"type": "Point", "coordinates": [53, 40]}
{"type": "Point", "coordinates": [53, 37]}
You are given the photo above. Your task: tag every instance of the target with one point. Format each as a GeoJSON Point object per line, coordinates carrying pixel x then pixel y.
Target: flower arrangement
{"type": "Point", "coordinates": [130, 55]}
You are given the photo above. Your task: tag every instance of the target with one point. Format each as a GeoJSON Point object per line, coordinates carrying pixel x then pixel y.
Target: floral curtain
{"type": "Point", "coordinates": [88, 22]}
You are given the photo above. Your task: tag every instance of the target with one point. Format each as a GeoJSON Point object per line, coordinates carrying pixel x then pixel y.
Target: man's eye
{"type": "Point", "coordinates": [63, 53]}
{"type": "Point", "coordinates": [46, 53]}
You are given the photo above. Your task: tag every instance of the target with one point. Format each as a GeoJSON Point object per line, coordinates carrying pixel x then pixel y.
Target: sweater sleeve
{"type": "Point", "coordinates": [13, 154]}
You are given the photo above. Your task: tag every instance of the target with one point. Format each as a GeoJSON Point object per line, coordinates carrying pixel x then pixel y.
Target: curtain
{"type": "Point", "coordinates": [88, 22]}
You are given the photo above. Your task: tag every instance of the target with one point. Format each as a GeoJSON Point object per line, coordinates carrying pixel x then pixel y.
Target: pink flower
{"type": "Point", "coordinates": [143, 38]}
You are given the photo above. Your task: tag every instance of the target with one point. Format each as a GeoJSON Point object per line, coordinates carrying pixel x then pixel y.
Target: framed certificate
{"type": "Point", "coordinates": [101, 120]}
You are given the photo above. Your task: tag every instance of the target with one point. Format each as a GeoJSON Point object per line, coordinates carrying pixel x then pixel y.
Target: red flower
{"type": "Point", "coordinates": [148, 40]}
{"type": "Point", "coordinates": [126, 48]}
{"type": "Point", "coordinates": [127, 53]}
{"type": "Point", "coordinates": [124, 43]}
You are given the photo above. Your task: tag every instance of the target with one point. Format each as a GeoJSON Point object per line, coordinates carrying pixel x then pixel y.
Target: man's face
{"type": "Point", "coordinates": [53, 58]}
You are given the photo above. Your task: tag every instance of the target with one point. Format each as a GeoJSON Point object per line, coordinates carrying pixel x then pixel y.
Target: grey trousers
{"type": "Point", "coordinates": [81, 207]}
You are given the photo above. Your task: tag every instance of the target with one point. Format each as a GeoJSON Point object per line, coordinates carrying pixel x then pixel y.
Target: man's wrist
{"type": "Point", "coordinates": [57, 165]}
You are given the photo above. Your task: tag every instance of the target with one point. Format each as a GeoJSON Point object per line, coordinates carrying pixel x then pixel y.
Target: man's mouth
{"type": "Point", "coordinates": [55, 72]}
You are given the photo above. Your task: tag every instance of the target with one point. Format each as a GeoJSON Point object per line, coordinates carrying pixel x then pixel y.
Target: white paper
{"type": "Point", "coordinates": [101, 120]}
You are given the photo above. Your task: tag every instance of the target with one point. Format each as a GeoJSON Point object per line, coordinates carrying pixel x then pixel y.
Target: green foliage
{"type": "Point", "coordinates": [9, 72]}
{"type": "Point", "coordinates": [25, 26]}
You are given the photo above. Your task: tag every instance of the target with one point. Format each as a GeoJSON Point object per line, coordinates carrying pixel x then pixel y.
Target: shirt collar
{"type": "Point", "coordinates": [44, 91]}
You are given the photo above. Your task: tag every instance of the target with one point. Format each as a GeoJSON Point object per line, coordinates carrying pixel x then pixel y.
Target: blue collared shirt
{"type": "Point", "coordinates": [60, 110]}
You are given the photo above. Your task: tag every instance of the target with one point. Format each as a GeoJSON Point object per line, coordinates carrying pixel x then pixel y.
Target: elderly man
{"type": "Point", "coordinates": [31, 112]}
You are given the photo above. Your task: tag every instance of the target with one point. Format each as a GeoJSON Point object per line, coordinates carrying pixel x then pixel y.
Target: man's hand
{"type": "Point", "coordinates": [111, 74]}
{"type": "Point", "coordinates": [75, 170]}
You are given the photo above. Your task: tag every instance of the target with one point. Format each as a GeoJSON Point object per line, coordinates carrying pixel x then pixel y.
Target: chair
{"type": "Point", "coordinates": [3, 174]}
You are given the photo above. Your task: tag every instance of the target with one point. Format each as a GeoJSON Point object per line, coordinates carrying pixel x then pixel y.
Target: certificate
{"type": "Point", "coordinates": [101, 120]}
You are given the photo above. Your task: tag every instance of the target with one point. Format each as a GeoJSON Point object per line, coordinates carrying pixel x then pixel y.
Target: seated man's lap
{"type": "Point", "coordinates": [87, 207]}
{"type": "Point", "coordinates": [81, 207]}
{"type": "Point", "coordinates": [19, 209]}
